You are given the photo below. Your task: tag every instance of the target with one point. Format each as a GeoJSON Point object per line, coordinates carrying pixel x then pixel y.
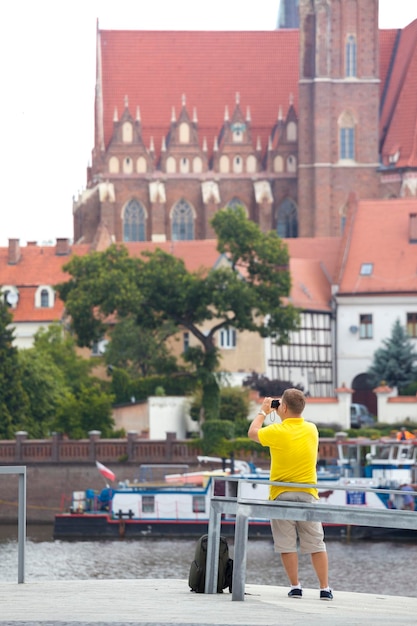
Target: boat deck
{"type": "Point", "coordinates": [170, 603]}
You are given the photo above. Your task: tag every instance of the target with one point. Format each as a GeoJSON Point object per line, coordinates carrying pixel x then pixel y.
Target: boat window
{"type": "Point", "coordinates": [199, 504]}
{"type": "Point", "coordinates": [148, 504]}
{"type": "Point", "coordinates": [382, 452]}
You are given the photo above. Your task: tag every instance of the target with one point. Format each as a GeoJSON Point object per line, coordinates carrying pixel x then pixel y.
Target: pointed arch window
{"type": "Point", "coordinates": [182, 222]}
{"type": "Point", "coordinates": [127, 132]}
{"type": "Point", "coordinates": [134, 222]}
{"type": "Point", "coordinates": [350, 61]}
{"type": "Point", "coordinates": [291, 131]}
{"type": "Point", "coordinates": [184, 133]}
{"type": "Point", "coordinates": [347, 137]}
{"type": "Point", "coordinates": [237, 164]}
{"type": "Point", "coordinates": [287, 222]}
{"type": "Point", "coordinates": [236, 202]}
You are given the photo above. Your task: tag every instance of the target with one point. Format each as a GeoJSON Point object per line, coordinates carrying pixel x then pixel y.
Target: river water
{"type": "Point", "coordinates": [384, 567]}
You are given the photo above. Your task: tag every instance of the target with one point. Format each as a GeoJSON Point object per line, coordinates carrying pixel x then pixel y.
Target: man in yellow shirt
{"type": "Point", "coordinates": [293, 444]}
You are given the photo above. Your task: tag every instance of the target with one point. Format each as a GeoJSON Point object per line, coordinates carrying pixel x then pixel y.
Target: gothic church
{"type": "Point", "coordinates": [289, 123]}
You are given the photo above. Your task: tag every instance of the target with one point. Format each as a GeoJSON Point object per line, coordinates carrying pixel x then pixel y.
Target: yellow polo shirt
{"type": "Point", "coordinates": [293, 444]}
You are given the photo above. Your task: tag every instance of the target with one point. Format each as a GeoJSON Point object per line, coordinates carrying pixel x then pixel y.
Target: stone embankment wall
{"type": "Point", "coordinates": [57, 467]}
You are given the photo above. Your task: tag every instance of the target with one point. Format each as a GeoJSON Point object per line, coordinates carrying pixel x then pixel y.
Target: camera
{"type": "Point", "coordinates": [275, 404]}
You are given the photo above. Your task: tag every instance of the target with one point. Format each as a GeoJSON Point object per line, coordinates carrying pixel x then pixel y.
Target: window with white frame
{"type": "Point", "coordinates": [366, 329]}
{"type": "Point", "coordinates": [44, 297]}
{"type": "Point", "coordinates": [227, 338]}
{"type": "Point", "coordinates": [148, 504]}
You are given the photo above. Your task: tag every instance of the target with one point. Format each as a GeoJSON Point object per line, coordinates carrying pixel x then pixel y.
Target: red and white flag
{"type": "Point", "coordinates": [105, 471]}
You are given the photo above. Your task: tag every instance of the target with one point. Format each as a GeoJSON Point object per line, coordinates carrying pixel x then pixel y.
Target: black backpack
{"type": "Point", "coordinates": [197, 575]}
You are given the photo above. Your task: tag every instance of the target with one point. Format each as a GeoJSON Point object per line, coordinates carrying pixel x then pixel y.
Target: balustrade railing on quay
{"type": "Point", "coordinates": [59, 449]}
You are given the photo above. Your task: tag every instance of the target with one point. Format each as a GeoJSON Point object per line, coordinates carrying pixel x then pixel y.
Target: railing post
{"type": "Point", "coordinates": [21, 435]}
{"type": "Point", "coordinates": [94, 436]}
{"type": "Point", "coordinates": [171, 437]}
{"type": "Point", "coordinates": [21, 528]}
{"type": "Point", "coordinates": [131, 438]}
{"type": "Point", "coordinates": [213, 546]}
{"type": "Point", "coordinates": [241, 542]}
{"type": "Point", "coordinates": [56, 438]}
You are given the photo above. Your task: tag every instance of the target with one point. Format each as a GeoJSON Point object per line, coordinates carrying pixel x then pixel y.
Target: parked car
{"type": "Point", "coordinates": [360, 416]}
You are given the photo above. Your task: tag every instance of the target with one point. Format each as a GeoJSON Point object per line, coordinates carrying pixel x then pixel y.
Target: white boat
{"type": "Point", "coordinates": [179, 505]}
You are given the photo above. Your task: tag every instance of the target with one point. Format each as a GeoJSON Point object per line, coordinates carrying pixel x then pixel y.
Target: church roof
{"type": "Point", "coordinates": [155, 68]}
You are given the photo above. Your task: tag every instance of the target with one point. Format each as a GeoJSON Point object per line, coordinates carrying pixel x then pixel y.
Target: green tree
{"type": "Point", "coordinates": [81, 402]}
{"type": "Point", "coordinates": [395, 362]}
{"type": "Point", "coordinates": [90, 409]}
{"type": "Point", "coordinates": [245, 294]}
{"type": "Point", "coordinates": [60, 348]}
{"type": "Point", "coordinates": [45, 387]}
{"type": "Point", "coordinates": [140, 352]}
{"type": "Point", "coordinates": [13, 399]}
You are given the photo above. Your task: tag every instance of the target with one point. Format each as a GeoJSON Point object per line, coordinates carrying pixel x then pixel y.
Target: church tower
{"type": "Point", "coordinates": [338, 110]}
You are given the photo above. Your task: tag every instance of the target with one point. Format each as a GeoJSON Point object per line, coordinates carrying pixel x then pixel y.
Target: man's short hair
{"type": "Point", "coordinates": [295, 400]}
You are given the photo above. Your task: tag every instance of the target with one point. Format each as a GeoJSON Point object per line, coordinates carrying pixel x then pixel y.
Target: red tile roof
{"type": "Point", "coordinates": [381, 235]}
{"type": "Point", "coordinates": [311, 264]}
{"type": "Point", "coordinates": [154, 69]}
{"type": "Point", "coordinates": [38, 265]}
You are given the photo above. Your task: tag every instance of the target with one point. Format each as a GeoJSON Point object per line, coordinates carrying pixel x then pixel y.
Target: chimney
{"type": "Point", "coordinates": [413, 227]}
{"type": "Point", "coordinates": [62, 247]}
{"type": "Point", "coordinates": [14, 252]}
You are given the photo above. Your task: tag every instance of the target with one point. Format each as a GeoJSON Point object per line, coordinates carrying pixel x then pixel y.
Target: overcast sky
{"type": "Point", "coordinates": [47, 71]}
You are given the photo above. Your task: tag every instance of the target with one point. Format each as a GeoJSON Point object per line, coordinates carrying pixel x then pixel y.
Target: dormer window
{"type": "Point", "coordinates": [44, 297]}
{"type": "Point", "coordinates": [366, 269]}
{"type": "Point", "coordinates": [238, 128]}
{"type": "Point", "coordinates": [393, 158]}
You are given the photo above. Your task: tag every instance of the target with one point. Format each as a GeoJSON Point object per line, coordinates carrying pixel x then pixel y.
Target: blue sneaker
{"type": "Point", "coordinates": [326, 595]}
{"type": "Point", "coordinates": [296, 592]}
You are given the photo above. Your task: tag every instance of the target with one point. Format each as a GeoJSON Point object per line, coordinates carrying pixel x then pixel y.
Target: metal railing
{"type": "Point", "coordinates": [21, 520]}
{"type": "Point", "coordinates": [245, 508]}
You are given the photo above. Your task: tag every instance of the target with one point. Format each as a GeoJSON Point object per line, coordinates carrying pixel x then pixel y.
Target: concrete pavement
{"type": "Point", "coordinates": [158, 602]}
